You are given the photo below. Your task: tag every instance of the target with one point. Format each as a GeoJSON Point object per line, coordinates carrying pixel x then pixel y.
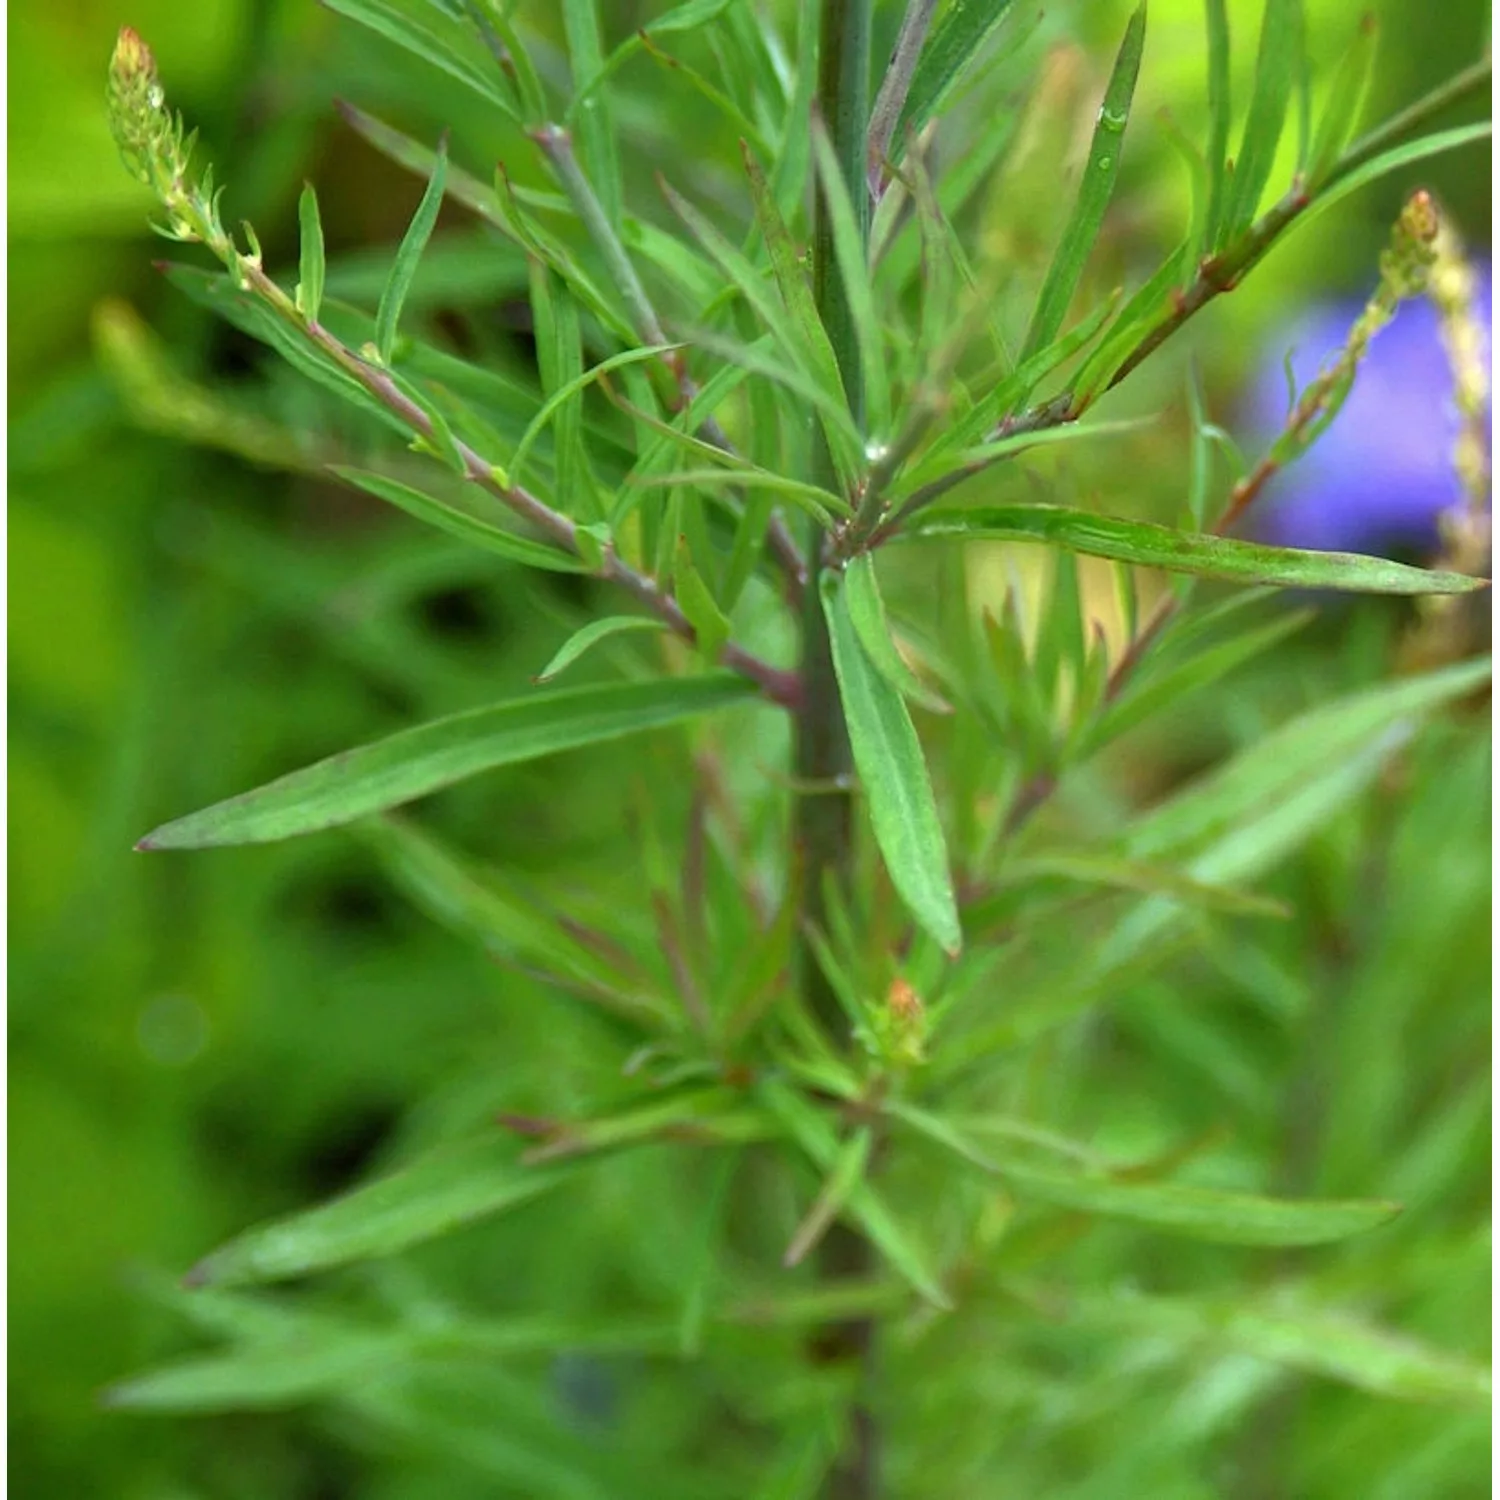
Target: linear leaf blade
{"type": "Point", "coordinates": [413, 242]}
{"type": "Point", "coordinates": [888, 757]}
{"type": "Point", "coordinates": [312, 265]}
{"type": "Point", "coordinates": [454, 1186]}
{"type": "Point", "coordinates": [1094, 192]}
{"type": "Point", "coordinates": [1203, 1213]}
{"type": "Point", "coordinates": [1149, 545]}
{"type": "Point", "coordinates": [414, 762]}
{"type": "Point", "coordinates": [1276, 67]}
{"type": "Point", "coordinates": [460, 523]}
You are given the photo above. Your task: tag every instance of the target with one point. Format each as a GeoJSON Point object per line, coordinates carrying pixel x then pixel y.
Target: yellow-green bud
{"type": "Point", "coordinates": [137, 106]}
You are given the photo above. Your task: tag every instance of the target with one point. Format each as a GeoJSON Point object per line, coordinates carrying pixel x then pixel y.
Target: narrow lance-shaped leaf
{"type": "Point", "coordinates": [418, 232]}
{"type": "Point", "coordinates": [417, 761]}
{"type": "Point", "coordinates": [434, 37]}
{"type": "Point", "coordinates": [433, 1196]}
{"type": "Point", "coordinates": [313, 262]}
{"type": "Point", "coordinates": [854, 270]}
{"type": "Point", "coordinates": [1094, 192]}
{"type": "Point", "coordinates": [791, 279]}
{"type": "Point", "coordinates": [1219, 109]}
{"type": "Point", "coordinates": [867, 613]}
{"type": "Point", "coordinates": [1346, 101]}
{"type": "Point", "coordinates": [888, 757]}
{"type": "Point", "coordinates": [590, 635]}
{"type": "Point", "coordinates": [1275, 73]}
{"type": "Point", "coordinates": [1149, 545]}
{"type": "Point", "coordinates": [593, 125]}
{"type": "Point", "coordinates": [699, 605]}
{"type": "Point", "coordinates": [848, 1171]}
{"type": "Point", "coordinates": [463, 524]}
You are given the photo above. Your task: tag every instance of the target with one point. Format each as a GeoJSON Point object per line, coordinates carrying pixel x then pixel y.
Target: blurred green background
{"type": "Point", "coordinates": [198, 1042]}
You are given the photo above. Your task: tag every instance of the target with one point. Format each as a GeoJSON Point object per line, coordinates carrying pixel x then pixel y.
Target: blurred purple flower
{"type": "Point", "coordinates": [1380, 476]}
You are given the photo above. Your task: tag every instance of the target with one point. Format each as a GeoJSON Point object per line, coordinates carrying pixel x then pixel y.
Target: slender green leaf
{"type": "Point", "coordinates": [263, 1376]}
{"type": "Point", "coordinates": [1148, 545]}
{"type": "Point", "coordinates": [418, 232]}
{"type": "Point", "coordinates": [1342, 183]}
{"type": "Point", "coordinates": [593, 124]}
{"type": "Point", "coordinates": [867, 614]}
{"type": "Point", "coordinates": [435, 1195]}
{"type": "Point", "coordinates": [1220, 109]}
{"type": "Point", "coordinates": [1275, 74]}
{"type": "Point", "coordinates": [313, 261]}
{"type": "Point", "coordinates": [1094, 192]}
{"type": "Point", "coordinates": [888, 757]}
{"type": "Point", "coordinates": [965, 27]}
{"type": "Point", "coordinates": [1294, 1331]}
{"type": "Point", "coordinates": [1346, 102]}
{"type": "Point", "coordinates": [815, 1135]}
{"type": "Point", "coordinates": [939, 465]}
{"type": "Point", "coordinates": [1202, 1213]}
{"type": "Point", "coordinates": [709, 622]}
{"type": "Point", "coordinates": [819, 503]}
{"type": "Point", "coordinates": [1138, 875]}
{"type": "Point", "coordinates": [1150, 693]}
{"type": "Point", "coordinates": [847, 1173]}
{"type": "Point", "coordinates": [1125, 334]}
{"type": "Point", "coordinates": [485, 907]}
{"type": "Point", "coordinates": [425, 32]}
{"type": "Point", "coordinates": [854, 272]}
{"type": "Point", "coordinates": [1267, 770]}
{"type": "Point", "coordinates": [408, 765]}
{"type": "Point", "coordinates": [567, 392]}
{"type": "Point", "coordinates": [788, 331]}
{"type": "Point", "coordinates": [1011, 392]}
{"type": "Point", "coordinates": [250, 315]}
{"type": "Point", "coordinates": [466, 526]}
{"type": "Point", "coordinates": [595, 631]}
{"type": "Point", "coordinates": [791, 280]}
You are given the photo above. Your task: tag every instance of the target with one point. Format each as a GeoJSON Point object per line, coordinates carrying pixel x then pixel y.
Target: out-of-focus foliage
{"type": "Point", "coordinates": [201, 1044]}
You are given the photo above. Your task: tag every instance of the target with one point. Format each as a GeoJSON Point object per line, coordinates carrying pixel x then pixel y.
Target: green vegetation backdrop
{"type": "Point", "coordinates": [201, 1042]}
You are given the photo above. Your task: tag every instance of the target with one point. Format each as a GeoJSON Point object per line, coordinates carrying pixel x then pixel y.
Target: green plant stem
{"type": "Point", "coordinates": [779, 686]}
{"type": "Point", "coordinates": [824, 824]}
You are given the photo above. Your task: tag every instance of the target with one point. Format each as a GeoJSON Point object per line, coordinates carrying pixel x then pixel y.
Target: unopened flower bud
{"type": "Point", "coordinates": [136, 114]}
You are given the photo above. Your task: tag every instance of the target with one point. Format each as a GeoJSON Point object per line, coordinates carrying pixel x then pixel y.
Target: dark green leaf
{"type": "Point", "coordinates": [1149, 545]}
{"type": "Point", "coordinates": [1094, 191]}
{"type": "Point", "coordinates": [888, 757]}
{"type": "Point", "coordinates": [408, 254]}
{"type": "Point", "coordinates": [417, 761]}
